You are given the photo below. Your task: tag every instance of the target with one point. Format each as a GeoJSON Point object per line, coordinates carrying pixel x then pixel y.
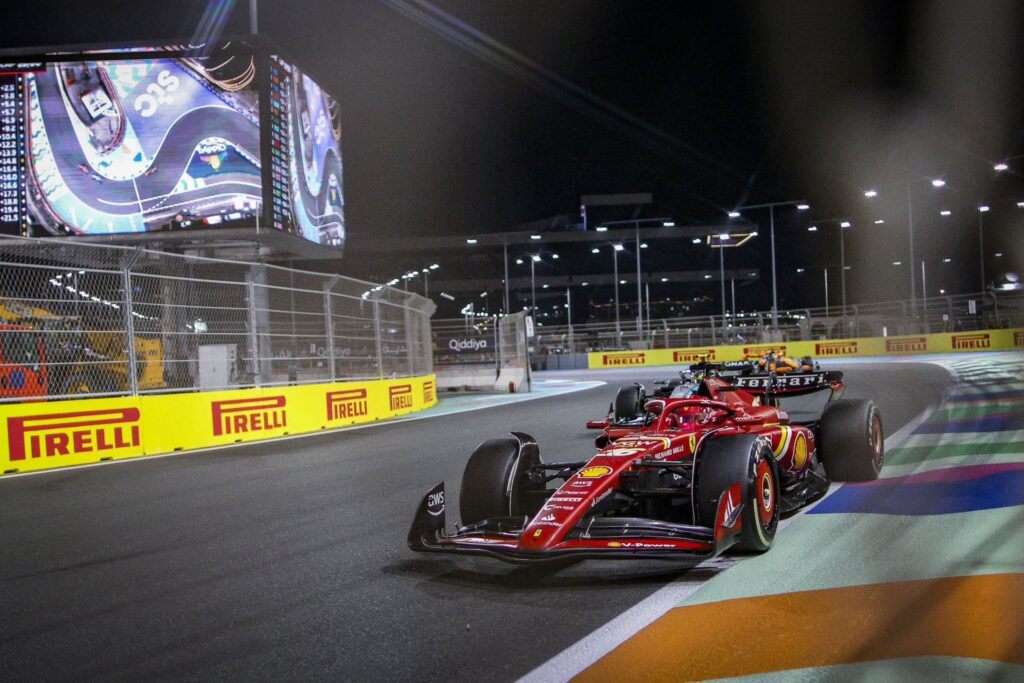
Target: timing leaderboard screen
{"type": "Point", "coordinates": [129, 145]}
{"type": "Point", "coordinates": [305, 144]}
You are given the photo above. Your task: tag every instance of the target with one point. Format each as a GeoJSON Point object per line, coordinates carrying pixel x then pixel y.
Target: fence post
{"type": "Point", "coordinates": [377, 339]}
{"type": "Point", "coordinates": [329, 325]}
{"type": "Point", "coordinates": [129, 330]}
{"type": "Point", "coordinates": [127, 262]}
{"type": "Point", "coordinates": [253, 334]}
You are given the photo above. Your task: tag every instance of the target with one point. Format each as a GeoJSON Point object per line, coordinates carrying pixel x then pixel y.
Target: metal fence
{"type": "Point", "coordinates": [105, 320]}
{"type": "Point", "coordinates": [967, 312]}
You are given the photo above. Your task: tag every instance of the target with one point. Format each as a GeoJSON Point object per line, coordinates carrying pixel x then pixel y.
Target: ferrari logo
{"type": "Point", "coordinates": [693, 443]}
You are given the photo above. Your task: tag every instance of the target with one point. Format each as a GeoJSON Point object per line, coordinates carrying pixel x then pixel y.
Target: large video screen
{"type": "Point", "coordinates": [127, 145]}
{"type": "Point", "coordinates": [306, 168]}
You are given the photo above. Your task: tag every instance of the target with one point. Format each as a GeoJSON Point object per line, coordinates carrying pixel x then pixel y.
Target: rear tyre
{"type": "Point", "coordinates": [495, 481]}
{"type": "Point", "coordinates": [852, 442]}
{"type": "Point", "coordinates": [748, 461]}
{"type": "Point", "coordinates": [628, 402]}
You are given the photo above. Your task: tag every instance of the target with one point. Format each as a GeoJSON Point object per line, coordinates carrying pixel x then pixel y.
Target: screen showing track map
{"type": "Point", "coordinates": [306, 167]}
{"type": "Point", "coordinates": [129, 145]}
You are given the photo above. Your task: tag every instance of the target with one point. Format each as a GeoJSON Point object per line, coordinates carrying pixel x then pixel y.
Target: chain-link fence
{"type": "Point", "coordinates": [961, 313]}
{"type": "Point", "coordinates": [106, 320]}
{"type": "Point", "coordinates": [481, 352]}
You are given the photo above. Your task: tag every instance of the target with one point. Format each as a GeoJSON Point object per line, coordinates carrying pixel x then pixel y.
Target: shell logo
{"type": "Point", "coordinates": [800, 451]}
{"type": "Point", "coordinates": [595, 472]}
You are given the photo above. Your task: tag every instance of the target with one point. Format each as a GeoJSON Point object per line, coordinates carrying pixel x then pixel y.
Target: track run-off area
{"type": "Point", "coordinates": [287, 559]}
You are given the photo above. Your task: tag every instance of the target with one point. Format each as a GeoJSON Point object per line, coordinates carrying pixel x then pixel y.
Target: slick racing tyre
{"type": "Point", "coordinates": [629, 402]}
{"type": "Point", "coordinates": [495, 482]}
{"type": "Point", "coordinates": [852, 445]}
{"type": "Point", "coordinates": [747, 460]}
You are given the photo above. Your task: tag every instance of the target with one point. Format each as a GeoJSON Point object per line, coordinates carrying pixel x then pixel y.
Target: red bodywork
{"type": "Point", "coordinates": [560, 527]}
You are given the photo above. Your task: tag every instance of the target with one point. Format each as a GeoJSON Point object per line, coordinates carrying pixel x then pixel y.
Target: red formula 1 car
{"type": "Point", "coordinates": [695, 476]}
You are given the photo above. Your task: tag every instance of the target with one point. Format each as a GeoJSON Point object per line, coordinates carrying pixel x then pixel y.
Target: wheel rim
{"type": "Point", "coordinates": [766, 495]}
{"type": "Point", "coordinates": [876, 441]}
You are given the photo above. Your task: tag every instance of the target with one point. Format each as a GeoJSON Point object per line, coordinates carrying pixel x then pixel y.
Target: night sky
{"type": "Point", "coordinates": [707, 106]}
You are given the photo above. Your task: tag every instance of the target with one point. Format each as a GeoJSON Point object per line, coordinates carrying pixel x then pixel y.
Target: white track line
{"type": "Point", "coordinates": [583, 653]}
{"type": "Point", "coordinates": [383, 423]}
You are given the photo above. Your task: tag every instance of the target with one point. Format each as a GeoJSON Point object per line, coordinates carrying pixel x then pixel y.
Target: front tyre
{"type": "Point", "coordinates": [748, 461]}
{"type": "Point", "coordinates": [495, 482]}
{"type": "Point", "coordinates": [629, 403]}
{"type": "Point", "coordinates": [852, 442]}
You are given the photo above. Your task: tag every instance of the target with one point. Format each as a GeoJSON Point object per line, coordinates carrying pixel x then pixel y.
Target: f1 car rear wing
{"type": "Point", "coordinates": [791, 384]}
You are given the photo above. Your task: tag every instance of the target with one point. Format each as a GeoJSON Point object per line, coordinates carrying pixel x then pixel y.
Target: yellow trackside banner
{"type": "Point", "coordinates": [43, 435]}
{"type": "Point", "coordinates": [985, 340]}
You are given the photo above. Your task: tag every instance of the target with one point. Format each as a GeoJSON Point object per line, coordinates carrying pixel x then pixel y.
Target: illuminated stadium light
{"type": "Point", "coordinates": [1000, 167]}
{"type": "Point", "coordinates": [602, 228]}
{"type": "Point", "coordinates": [844, 224]}
{"type": "Point", "coordinates": [595, 250]}
{"type": "Point", "coordinates": [945, 212]}
{"type": "Point", "coordinates": [643, 245]}
{"type": "Point", "coordinates": [519, 261]}
{"type": "Point", "coordinates": [871, 193]}
{"type": "Point", "coordinates": [947, 260]}
{"type": "Point", "coordinates": [554, 256]}
{"type": "Point", "coordinates": [618, 247]}
{"type": "Point", "coordinates": [984, 208]}
{"type": "Point", "coordinates": [534, 237]}
{"type": "Point", "coordinates": [938, 182]}
{"type": "Point", "coordinates": [897, 263]}
{"type": "Point", "coordinates": [434, 266]}
{"type": "Point", "coordinates": [668, 224]}
{"type": "Point", "coordinates": [879, 221]}
{"type": "Point", "coordinates": [734, 214]}
{"type": "Point", "coordinates": [696, 240]}
{"type": "Point", "coordinates": [813, 228]}
{"type": "Point", "coordinates": [584, 284]}
{"type": "Point", "coordinates": [803, 207]}
{"type": "Point", "coordinates": [800, 270]}
{"type": "Point", "coordinates": [536, 258]}
{"type": "Point", "coordinates": [664, 279]}
{"type": "Point", "coordinates": [471, 241]}
{"type": "Point", "coordinates": [707, 276]}
{"type": "Point", "coordinates": [622, 282]}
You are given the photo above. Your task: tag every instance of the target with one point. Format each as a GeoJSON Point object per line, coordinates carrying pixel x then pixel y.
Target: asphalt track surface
{"type": "Point", "coordinates": [288, 560]}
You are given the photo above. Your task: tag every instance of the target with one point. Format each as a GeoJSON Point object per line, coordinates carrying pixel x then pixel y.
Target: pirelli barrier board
{"type": "Point", "coordinates": [45, 435]}
{"type": "Point", "coordinates": [987, 340]}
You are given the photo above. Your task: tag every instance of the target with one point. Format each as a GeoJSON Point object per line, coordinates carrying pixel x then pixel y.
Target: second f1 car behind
{"type": "Point", "coordinates": [698, 475]}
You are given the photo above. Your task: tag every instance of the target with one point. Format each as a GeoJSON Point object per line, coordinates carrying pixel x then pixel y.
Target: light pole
{"type": "Point", "coordinates": [616, 248]}
{"type": "Point", "coordinates": [505, 252]}
{"type": "Point", "coordinates": [801, 205]}
{"type": "Point", "coordinates": [721, 271]}
{"type": "Point", "coordinates": [534, 258]}
{"type": "Point", "coordinates": [825, 270]}
{"type": "Point", "coordinates": [982, 210]}
{"type": "Point", "coordinates": [936, 183]}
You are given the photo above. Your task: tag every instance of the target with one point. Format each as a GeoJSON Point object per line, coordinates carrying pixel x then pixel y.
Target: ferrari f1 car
{"type": "Point", "coordinates": [701, 474]}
